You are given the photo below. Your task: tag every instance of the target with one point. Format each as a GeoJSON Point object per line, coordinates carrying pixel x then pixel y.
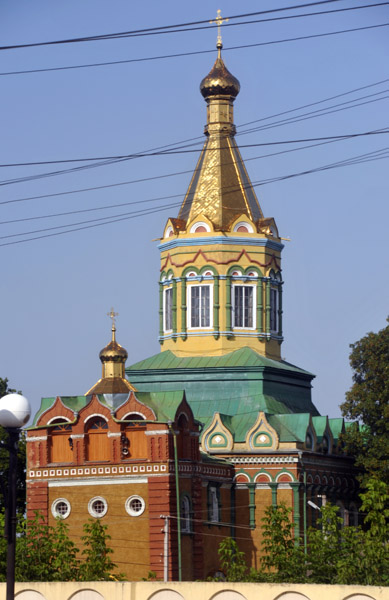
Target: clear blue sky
{"type": "Point", "coordinates": [56, 291]}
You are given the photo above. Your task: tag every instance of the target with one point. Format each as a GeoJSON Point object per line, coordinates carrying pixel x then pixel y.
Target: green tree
{"type": "Point", "coordinates": [4, 460]}
{"type": "Point", "coordinates": [46, 553]}
{"type": "Point", "coordinates": [283, 558]}
{"type": "Point", "coordinates": [232, 560]}
{"type": "Point", "coordinates": [368, 402]}
{"type": "Point", "coordinates": [97, 564]}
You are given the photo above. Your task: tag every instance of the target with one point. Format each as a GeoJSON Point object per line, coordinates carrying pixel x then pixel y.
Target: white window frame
{"type": "Point", "coordinates": [165, 291]}
{"type": "Point", "coordinates": [254, 314]}
{"type": "Point", "coordinates": [54, 506]}
{"type": "Point", "coordinates": [189, 305]}
{"type": "Point", "coordinates": [130, 510]}
{"type": "Point", "coordinates": [93, 513]}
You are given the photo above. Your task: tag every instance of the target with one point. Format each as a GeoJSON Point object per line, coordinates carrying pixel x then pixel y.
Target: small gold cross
{"type": "Point", "coordinates": [112, 316]}
{"type": "Point", "coordinates": [219, 21]}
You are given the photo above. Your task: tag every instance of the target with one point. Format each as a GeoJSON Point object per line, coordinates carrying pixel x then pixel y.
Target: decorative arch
{"type": "Point", "coordinates": [242, 478]}
{"type": "Point", "coordinates": [60, 444]}
{"type": "Point", "coordinates": [262, 434]}
{"type": "Point", "coordinates": [228, 595]}
{"type": "Point", "coordinates": [86, 594]}
{"type": "Point", "coordinates": [217, 436]}
{"type": "Point", "coordinates": [291, 596]}
{"type": "Point", "coordinates": [166, 595]}
{"type": "Point", "coordinates": [285, 476]}
{"type": "Point", "coordinates": [29, 595]}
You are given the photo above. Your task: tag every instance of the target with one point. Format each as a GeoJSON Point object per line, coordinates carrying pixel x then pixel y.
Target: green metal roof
{"type": "Point", "coordinates": [244, 358]}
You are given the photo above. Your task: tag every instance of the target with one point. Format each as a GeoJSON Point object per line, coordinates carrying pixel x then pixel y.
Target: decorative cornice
{"type": "Point", "coordinates": [273, 259]}
{"type": "Point", "coordinates": [263, 459]}
{"type": "Point", "coordinates": [223, 241]}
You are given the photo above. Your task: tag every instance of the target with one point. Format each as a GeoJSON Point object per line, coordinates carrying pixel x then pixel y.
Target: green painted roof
{"type": "Point", "coordinates": [74, 403]}
{"type": "Point", "coordinates": [290, 428]}
{"type": "Point", "coordinates": [244, 357]}
{"type": "Point", "coordinates": [336, 426]}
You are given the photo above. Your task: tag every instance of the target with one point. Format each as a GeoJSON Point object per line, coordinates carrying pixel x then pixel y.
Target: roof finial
{"type": "Point", "coordinates": [112, 315]}
{"type": "Point", "coordinates": [219, 21]}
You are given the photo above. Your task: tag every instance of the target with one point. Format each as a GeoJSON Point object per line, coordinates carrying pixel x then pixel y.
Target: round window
{"type": "Point", "coordinates": [135, 506]}
{"type": "Point", "coordinates": [97, 507]}
{"type": "Point", "coordinates": [60, 508]}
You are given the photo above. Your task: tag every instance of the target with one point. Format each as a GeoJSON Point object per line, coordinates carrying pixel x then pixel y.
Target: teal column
{"type": "Point", "coordinates": [273, 487]}
{"type": "Point", "coordinates": [280, 309]}
{"type": "Point", "coordinates": [259, 305]}
{"type": "Point", "coordinates": [296, 510]}
{"type": "Point", "coordinates": [174, 309]}
{"type": "Point", "coordinates": [268, 306]}
{"type": "Point", "coordinates": [216, 308]}
{"type": "Point", "coordinates": [232, 511]}
{"type": "Point", "coordinates": [183, 309]}
{"type": "Point", "coordinates": [251, 487]}
{"type": "Point", "coordinates": [161, 312]}
{"type": "Point", "coordinates": [228, 307]}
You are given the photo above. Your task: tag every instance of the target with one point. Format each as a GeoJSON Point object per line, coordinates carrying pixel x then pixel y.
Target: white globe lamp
{"type": "Point", "coordinates": [15, 411]}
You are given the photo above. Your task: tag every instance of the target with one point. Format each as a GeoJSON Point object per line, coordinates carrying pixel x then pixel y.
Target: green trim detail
{"type": "Point", "coordinates": [296, 510]}
{"type": "Point", "coordinates": [174, 308]}
{"type": "Point", "coordinates": [183, 309]}
{"type": "Point", "coordinates": [251, 487]}
{"type": "Point", "coordinates": [216, 308]}
{"type": "Point", "coordinates": [223, 435]}
{"type": "Point", "coordinates": [262, 444]}
{"type": "Point", "coordinates": [161, 331]}
{"type": "Point", "coordinates": [228, 306]}
{"type": "Point", "coordinates": [273, 486]}
{"type": "Point", "coordinates": [268, 307]}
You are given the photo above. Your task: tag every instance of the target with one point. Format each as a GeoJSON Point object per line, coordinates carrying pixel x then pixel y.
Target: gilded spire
{"type": "Point", "coordinates": [113, 358]}
{"type": "Point", "coordinates": [220, 188]}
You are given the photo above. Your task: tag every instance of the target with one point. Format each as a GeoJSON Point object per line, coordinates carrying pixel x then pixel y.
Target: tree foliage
{"type": "Point", "coordinates": [335, 554]}
{"type": "Point", "coordinates": [46, 553]}
{"type": "Point", "coordinates": [4, 460]}
{"type": "Point", "coordinates": [368, 402]}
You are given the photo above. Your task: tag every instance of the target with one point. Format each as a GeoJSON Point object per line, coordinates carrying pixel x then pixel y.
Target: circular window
{"type": "Point", "coordinates": [60, 508]}
{"type": "Point", "coordinates": [243, 227]}
{"type": "Point", "coordinates": [97, 507]}
{"type": "Point", "coordinates": [135, 506]}
{"type": "Point", "coordinates": [200, 227]}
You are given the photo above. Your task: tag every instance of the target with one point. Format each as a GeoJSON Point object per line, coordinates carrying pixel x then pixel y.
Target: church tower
{"type": "Point", "coordinates": [220, 279]}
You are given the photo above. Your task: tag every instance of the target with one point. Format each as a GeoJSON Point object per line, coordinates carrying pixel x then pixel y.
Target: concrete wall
{"type": "Point", "coordinates": [192, 591]}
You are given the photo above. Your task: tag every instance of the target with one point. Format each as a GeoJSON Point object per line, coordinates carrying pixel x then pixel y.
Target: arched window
{"type": "Point", "coordinates": [60, 447]}
{"type": "Point", "coordinates": [275, 288]}
{"type": "Point", "coordinates": [168, 310]}
{"type": "Point", "coordinates": [96, 440]}
{"type": "Point", "coordinates": [183, 440]}
{"type": "Point", "coordinates": [186, 517]}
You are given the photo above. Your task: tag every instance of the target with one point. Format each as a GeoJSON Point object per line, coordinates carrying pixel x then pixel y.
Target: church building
{"type": "Point", "coordinates": [191, 445]}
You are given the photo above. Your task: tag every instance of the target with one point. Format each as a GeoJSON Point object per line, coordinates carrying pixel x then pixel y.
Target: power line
{"type": "Point", "coordinates": [201, 138]}
{"type": "Point", "coordinates": [184, 150]}
{"type": "Point", "coordinates": [162, 28]}
{"type": "Point", "coordinates": [368, 157]}
{"type": "Point", "coordinates": [193, 53]}
{"type": "Point", "coordinates": [138, 181]}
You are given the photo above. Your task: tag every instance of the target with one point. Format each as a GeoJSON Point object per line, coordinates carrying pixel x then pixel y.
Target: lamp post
{"type": "Point", "coordinates": [15, 411]}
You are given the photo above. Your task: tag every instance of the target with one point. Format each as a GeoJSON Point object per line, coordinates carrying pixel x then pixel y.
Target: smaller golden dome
{"type": "Point", "coordinates": [219, 81]}
{"type": "Point", "coordinates": [113, 352]}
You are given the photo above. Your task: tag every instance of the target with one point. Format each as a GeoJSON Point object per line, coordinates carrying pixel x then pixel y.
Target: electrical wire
{"type": "Point", "coordinates": [194, 53]}
{"type": "Point", "coordinates": [93, 209]}
{"type": "Point", "coordinates": [113, 219]}
{"type": "Point", "coordinates": [163, 28]}
{"type": "Point", "coordinates": [185, 150]}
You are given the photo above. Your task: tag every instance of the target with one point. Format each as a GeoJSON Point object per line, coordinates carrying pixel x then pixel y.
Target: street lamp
{"type": "Point", "coordinates": [15, 411]}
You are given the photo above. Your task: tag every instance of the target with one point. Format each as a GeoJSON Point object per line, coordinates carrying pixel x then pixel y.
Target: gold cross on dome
{"type": "Point", "coordinates": [112, 316]}
{"type": "Point", "coordinates": [219, 22]}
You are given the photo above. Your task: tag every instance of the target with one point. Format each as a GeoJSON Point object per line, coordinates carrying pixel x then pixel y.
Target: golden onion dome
{"type": "Point", "coordinates": [219, 81]}
{"type": "Point", "coordinates": [113, 352]}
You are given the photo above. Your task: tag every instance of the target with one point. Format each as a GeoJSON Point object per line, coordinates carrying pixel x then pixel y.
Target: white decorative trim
{"type": "Point", "coordinates": [56, 514]}
{"type": "Point", "coordinates": [134, 500]}
{"type": "Point", "coordinates": [77, 436]}
{"type": "Point", "coordinates": [99, 481]}
{"type": "Point", "coordinates": [64, 421]}
{"type": "Point", "coordinates": [93, 512]}
{"type": "Point", "coordinates": [37, 438]}
{"type": "Point", "coordinates": [157, 432]}
{"type": "Point", "coordinates": [200, 224]}
{"type": "Point", "coordinates": [263, 460]}
{"type": "Point", "coordinates": [96, 415]}
{"type": "Point", "coordinates": [111, 435]}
